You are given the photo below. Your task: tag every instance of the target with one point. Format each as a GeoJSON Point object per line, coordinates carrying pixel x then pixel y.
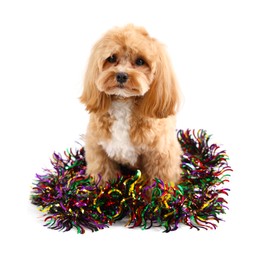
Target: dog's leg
{"type": "Point", "coordinates": [99, 163]}
{"type": "Point", "coordinates": [164, 166]}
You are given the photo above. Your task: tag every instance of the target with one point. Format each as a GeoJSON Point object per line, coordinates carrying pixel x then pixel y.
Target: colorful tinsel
{"type": "Point", "coordinates": [70, 198]}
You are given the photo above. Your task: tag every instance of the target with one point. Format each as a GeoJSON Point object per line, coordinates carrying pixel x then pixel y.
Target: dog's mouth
{"type": "Point", "coordinates": [121, 86]}
{"type": "Point", "coordinates": [123, 90]}
{"type": "Point", "coordinates": [128, 88]}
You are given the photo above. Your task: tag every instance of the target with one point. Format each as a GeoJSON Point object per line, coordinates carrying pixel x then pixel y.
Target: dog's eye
{"type": "Point", "coordinates": [112, 59]}
{"type": "Point", "coordinates": [140, 62]}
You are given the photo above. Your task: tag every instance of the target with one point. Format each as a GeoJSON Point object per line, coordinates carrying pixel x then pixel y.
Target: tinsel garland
{"type": "Point", "coordinates": [70, 198]}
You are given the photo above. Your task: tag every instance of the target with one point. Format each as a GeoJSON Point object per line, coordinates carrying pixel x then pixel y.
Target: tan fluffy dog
{"type": "Point", "coordinates": [132, 95]}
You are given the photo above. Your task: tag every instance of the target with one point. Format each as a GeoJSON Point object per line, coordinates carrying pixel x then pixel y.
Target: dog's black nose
{"type": "Point", "coordinates": [121, 77]}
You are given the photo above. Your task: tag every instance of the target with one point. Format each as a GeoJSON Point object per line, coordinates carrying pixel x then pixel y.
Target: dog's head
{"type": "Point", "coordinates": [126, 62]}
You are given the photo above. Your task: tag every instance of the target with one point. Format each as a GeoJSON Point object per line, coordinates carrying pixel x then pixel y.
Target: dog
{"type": "Point", "coordinates": [132, 95]}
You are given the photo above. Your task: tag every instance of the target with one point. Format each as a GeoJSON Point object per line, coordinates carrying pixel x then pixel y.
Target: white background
{"type": "Point", "coordinates": [44, 47]}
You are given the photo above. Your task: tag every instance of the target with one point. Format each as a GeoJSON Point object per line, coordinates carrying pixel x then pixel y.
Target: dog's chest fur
{"type": "Point", "coordinates": [120, 147]}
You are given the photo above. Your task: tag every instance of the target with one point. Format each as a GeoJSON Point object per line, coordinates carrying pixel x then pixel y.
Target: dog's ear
{"type": "Point", "coordinates": [163, 97]}
{"type": "Point", "coordinates": [94, 100]}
